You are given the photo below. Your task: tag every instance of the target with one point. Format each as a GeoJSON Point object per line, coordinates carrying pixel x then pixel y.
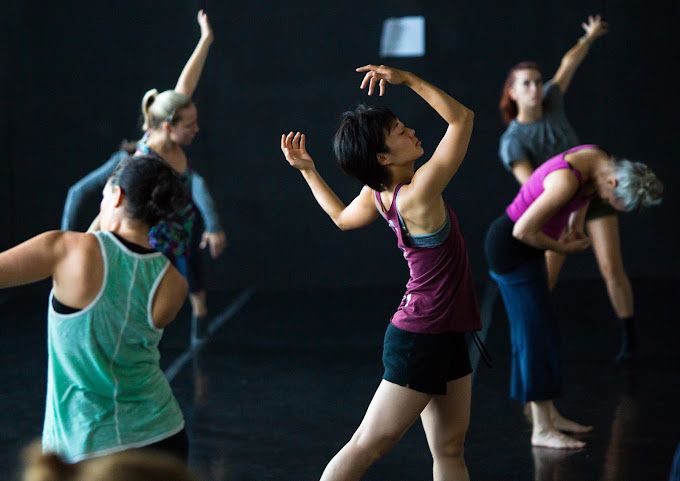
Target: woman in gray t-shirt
{"type": "Point", "coordinates": [537, 129]}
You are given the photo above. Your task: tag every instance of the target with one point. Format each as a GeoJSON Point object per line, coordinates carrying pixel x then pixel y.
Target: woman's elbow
{"type": "Point", "coordinates": [520, 233]}
{"type": "Point", "coordinates": [342, 226]}
{"type": "Point", "coordinates": [337, 220]}
{"type": "Point", "coordinates": [468, 116]}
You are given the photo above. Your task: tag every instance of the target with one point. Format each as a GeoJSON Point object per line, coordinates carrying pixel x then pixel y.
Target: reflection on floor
{"type": "Point", "coordinates": [283, 383]}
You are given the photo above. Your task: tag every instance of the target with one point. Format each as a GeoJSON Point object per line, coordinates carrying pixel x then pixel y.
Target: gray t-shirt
{"type": "Point", "coordinates": [540, 140]}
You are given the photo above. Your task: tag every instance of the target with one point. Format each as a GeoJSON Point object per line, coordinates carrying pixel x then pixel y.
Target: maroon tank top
{"type": "Point", "coordinates": [440, 293]}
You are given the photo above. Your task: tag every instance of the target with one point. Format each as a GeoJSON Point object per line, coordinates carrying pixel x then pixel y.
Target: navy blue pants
{"type": "Point", "coordinates": [536, 371]}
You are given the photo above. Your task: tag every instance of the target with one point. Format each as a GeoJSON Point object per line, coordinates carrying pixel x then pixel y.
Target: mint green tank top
{"type": "Point", "coordinates": [105, 389]}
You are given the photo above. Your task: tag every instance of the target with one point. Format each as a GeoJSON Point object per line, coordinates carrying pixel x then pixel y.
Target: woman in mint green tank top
{"type": "Point", "coordinates": [112, 296]}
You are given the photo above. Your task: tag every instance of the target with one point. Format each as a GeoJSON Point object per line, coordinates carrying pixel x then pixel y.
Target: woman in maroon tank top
{"type": "Point", "coordinates": [427, 371]}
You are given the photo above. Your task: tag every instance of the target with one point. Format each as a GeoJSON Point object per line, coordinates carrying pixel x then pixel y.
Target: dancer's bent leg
{"type": "Point", "coordinates": [553, 263]}
{"type": "Point", "coordinates": [604, 233]}
{"type": "Point", "coordinates": [392, 411]}
{"type": "Point", "coordinates": [446, 420]}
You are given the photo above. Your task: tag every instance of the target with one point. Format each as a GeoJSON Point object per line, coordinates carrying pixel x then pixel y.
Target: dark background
{"type": "Point", "coordinates": [73, 75]}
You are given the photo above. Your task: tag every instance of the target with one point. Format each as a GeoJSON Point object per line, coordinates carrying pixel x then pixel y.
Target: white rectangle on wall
{"type": "Point", "coordinates": [403, 37]}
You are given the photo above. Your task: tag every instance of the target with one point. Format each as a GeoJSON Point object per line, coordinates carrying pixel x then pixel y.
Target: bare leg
{"type": "Point", "coordinates": [446, 420]}
{"type": "Point", "coordinates": [553, 262]}
{"type": "Point", "coordinates": [199, 311]}
{"type": "Point", "coordinates": [199, 304]}
{"type": "Point", "coordinates": [392, 411]}
{"type": "Point", "coordinates": [544, 432]}
{"type": "Point", "coordinates": [604, 233]}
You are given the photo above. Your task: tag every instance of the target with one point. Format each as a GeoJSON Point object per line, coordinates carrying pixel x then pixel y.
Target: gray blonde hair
{"type": "Point", "coordinates": [161, 107]}
{"type": "Point", "coordinates": [636, 185]}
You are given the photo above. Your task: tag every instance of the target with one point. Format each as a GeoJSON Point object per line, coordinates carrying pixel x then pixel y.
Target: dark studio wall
{"type": "Point", "coordinates": [73, 74]}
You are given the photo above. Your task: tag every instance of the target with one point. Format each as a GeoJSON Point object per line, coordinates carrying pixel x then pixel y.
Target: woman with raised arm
{"type": "Point", "coordinates": [538, 129]}
{"type": "Point", "coordinates": [427, 370]}
{"type": "Point", "coordinates": [548, 214]}
{"type": "Point", "coordinates": [112, 296]}
{"type": "Point", "coordinates": [170, 124]}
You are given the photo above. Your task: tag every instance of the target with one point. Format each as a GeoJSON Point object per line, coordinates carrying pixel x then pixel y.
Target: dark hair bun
{"type": "Point", "coordinates": [153, 190]}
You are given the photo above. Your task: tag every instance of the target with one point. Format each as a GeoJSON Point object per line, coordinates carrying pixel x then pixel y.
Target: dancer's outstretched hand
{"type": "Point", "coordinates": [294, 149]}
{"type": "Point", "coordinates": [206, 30]}
{"type": "Point", "coordinates": [595, 27]}
{"type": "Point", "coordinates": [380, 74]}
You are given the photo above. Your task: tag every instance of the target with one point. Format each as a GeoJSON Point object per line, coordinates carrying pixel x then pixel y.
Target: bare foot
{"type": "Point", "coordinates": [561, 423]}
{"type": "Point", "coordinates": [555, 439]}
{"type": "Point", "coordinates": [569, 426]}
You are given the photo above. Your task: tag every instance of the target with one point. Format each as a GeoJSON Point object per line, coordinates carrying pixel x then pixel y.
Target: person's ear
{"type": "Point", "coordinates": [118, 196]}
{"type": "Point", "coordinates": [383, 159]}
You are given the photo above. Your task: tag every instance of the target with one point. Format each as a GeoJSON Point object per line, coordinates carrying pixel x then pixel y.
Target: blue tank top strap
{"type": "Point", "coordinates": [432, 239]}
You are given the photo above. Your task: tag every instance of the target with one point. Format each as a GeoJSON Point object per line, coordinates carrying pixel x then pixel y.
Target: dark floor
{"type": "Point", "coordinates": [284, 382]}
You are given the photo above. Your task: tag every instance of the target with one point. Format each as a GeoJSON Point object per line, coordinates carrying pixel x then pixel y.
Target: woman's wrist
{"type": "Point", "coordinates": [410, 79]}
{"type": "Point", "coordinates": [585, 39]}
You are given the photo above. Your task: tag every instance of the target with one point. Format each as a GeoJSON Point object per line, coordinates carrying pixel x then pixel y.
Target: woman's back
{"type": "Point", "coordinates": [106, 391]}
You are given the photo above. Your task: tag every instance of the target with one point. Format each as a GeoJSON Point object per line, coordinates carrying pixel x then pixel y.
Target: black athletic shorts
{"type": "Point", "coordinates": [424, 362]}
{"type": "Point", "coordinates": [176, 445]}
{"type": "Point", "coordinates": [598, 208]}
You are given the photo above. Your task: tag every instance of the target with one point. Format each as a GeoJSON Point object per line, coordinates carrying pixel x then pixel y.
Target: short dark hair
{"type": "Point", "coordinates": [153, 190]}
{"type": "Point", "coordinates": [358, 141]}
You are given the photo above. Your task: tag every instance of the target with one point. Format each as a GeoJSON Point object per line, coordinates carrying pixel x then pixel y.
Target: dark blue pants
{"type": "Point", "coordinates": [536, 372]}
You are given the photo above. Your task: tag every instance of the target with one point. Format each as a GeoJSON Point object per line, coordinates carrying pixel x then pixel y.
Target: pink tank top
{"type": "Point", "coordinates": [440, 293]}
{"type": "Point", "coordinates": [533, 188]}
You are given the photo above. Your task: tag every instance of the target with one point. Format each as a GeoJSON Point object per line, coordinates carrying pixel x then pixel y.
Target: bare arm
{"type": "Point", "coordinates": [33, 260]}
{"type": "Point", "coordinates": [559, 187]}
{"type": "Point", "coordinates": [522, 170]}
{"type": "Point", "coordinates": [359, 213]}
{"type": "Point", "coordinates": [169, 298]}
{"type": "Point", "coordinates": [188, 79]}
{"type": "Point", "coordinates": [595, 28]}
{"type": "Point", "coordinates": [577, 220]}
{"type": "Point", "coordinates": [431, 178]}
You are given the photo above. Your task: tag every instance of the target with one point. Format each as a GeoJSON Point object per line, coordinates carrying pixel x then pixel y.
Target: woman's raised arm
{"type": "Point", "coordinates": [359, 213]}
{"type": "Point", "coordinates": [191, 73]}
{"type": "Point", "coordinates": [430, 179]}
{"type": "Point", "coordinates": [595, 28]}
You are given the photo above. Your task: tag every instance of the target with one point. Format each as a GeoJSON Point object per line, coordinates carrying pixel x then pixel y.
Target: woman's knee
{"type": "Point", "coordinates": [451, 447]}
{"type": "Point", "coordinates": [374, 445]}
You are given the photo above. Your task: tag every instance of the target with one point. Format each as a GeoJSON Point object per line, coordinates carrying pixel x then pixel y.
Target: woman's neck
{"type": "Point", "coordinates": [400, 176]}
{"type": "Point", "coordinates": [133, 231]}
{"type": "Point", "coordinates": [527, 115]}
{"type": "Point", "coordinates": [171, 152]}
{"type": "Point", "coordinates": [160, 142]}
{"type": "Point", "coordinates": [594, 165]}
